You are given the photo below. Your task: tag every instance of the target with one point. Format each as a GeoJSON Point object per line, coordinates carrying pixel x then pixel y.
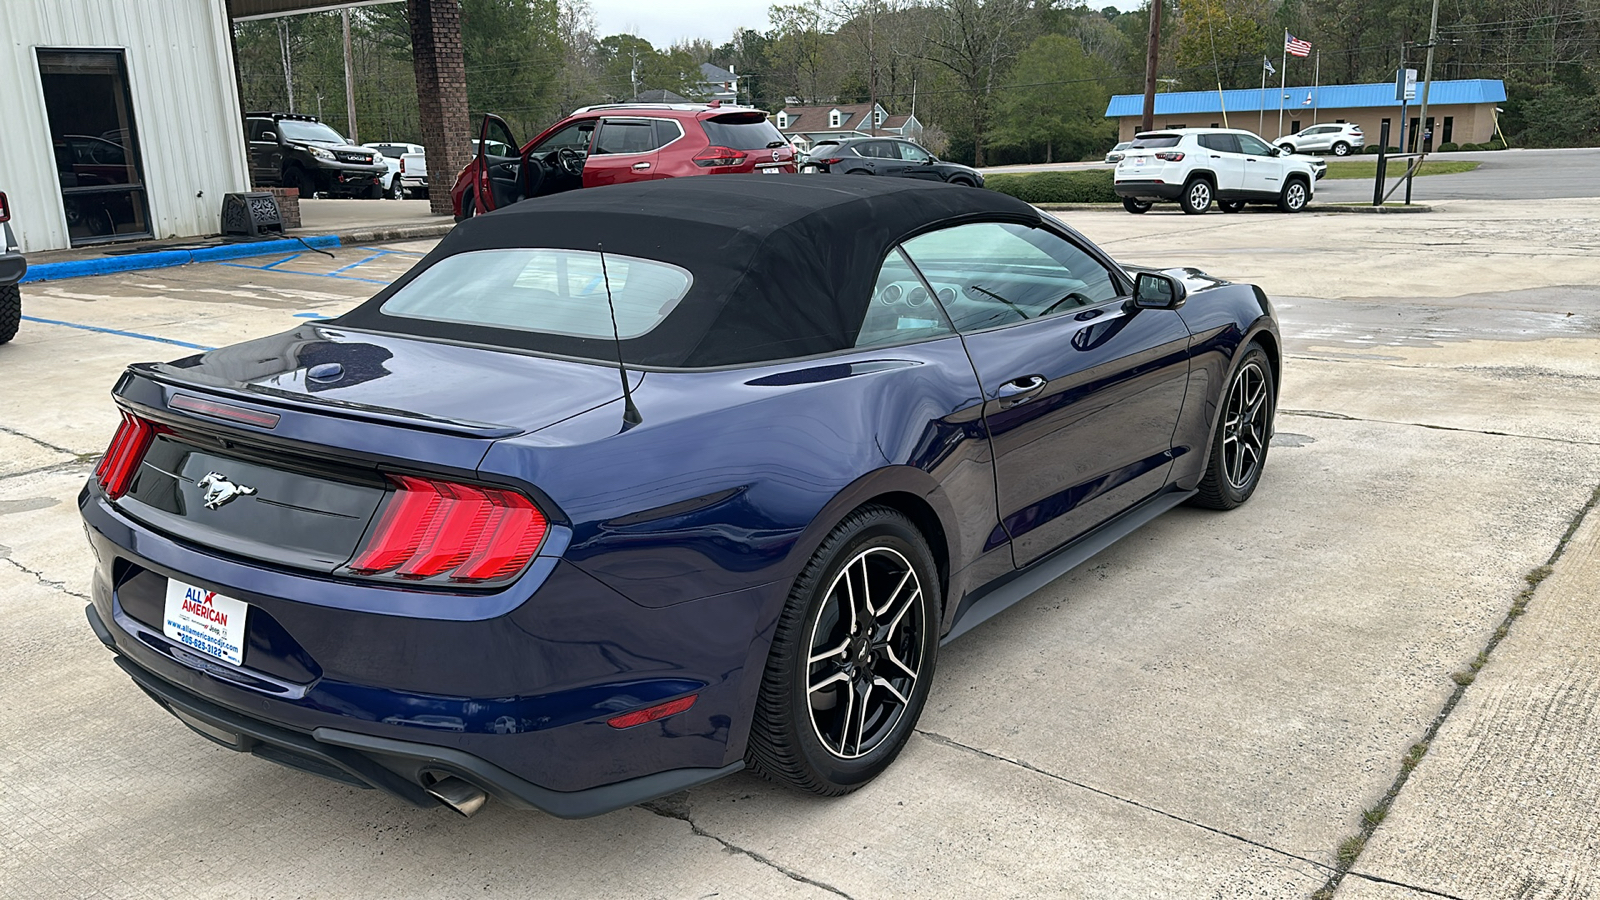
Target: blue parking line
{"type": "Point", "coordinates": [118, 332]}
{"type": "Point", "coordinates": [311, 274]}
{"type": "Point", "coordinates": [356, 263]}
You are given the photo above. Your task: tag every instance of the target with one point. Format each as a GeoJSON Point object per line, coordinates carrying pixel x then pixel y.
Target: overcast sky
{"type": "Point", "coordinates": [663, 21]}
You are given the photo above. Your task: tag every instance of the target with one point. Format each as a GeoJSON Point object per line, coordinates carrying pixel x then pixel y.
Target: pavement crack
{"type": "Point", "coordinates": [951, 742]}
{"type": "Point", "coordinates": [39, 577]}
{"type": "Point", "coordinates": [1519, 605]}
{"type": "Point", "coordinates": [1341, 417]}
{"type": "Point", "coordinates": [680, 811]}
{"type": "Point", "coordinates": [1401, 884]}
{"type": "Point", "coordinates": [46, 444]}
{"type": "Point", "coordinates": [64, 466]}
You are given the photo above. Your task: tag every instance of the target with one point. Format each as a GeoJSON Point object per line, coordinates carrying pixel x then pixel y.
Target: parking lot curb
{"type": "Point", "coordinates": [164, 259]}
{"type": "Point", "coordinates": [397, 233]}
{"type": "Point", "coordinates": [1368, 208]}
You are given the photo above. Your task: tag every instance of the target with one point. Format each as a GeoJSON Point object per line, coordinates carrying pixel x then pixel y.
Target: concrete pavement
{"type": "Point", "coordinates": [1204, 710]}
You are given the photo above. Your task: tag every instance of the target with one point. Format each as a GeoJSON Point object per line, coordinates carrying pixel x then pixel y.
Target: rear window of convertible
{"type": "Point", "coordinates": [559, 292]}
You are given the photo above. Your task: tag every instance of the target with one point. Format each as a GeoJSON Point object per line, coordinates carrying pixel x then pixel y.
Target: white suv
{"type": "Point", "coordinates": [1201, 166]}
{"type": "Point", "coordinates": [1341, 139]}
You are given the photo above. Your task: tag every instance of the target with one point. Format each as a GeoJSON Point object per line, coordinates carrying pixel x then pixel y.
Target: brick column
{"type": "Point", "coordinates": [436, 56]}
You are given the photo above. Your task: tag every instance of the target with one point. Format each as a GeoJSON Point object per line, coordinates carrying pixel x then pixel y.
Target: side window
{"type": "Point", "coordinates": [667, 131]}
{"type": "Point", "coordinates": [258, 126]}
{"type": "Point", "coordinates": [1253, 145]}
{"type": "Point", "coordinates": [911, 152]}
{"type": "Point", "coordinates": [991, 273]}
{"type": "Point", "coordinates": [878, 150]}
{"type": "Point", "coordinates": [575, 136]}
{"type": "Point", "coordinates": [625, 137]}
{"type": "Point", "coordinates": [900, 309]}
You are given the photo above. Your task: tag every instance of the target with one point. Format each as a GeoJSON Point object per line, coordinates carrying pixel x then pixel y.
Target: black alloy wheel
{"type": "Point", "coordinates": [1137, 207]}
{"type": "Point", "coordinates": [10, 311]}
{"type": "Point", "coordinates": [1197, 196]}
{"type": "Point", "coordinates": [1239, 449]}
{"type": "Point", "coordinates": [852, 657]}
{"type": "Point", "coordinates": [1295, 196]}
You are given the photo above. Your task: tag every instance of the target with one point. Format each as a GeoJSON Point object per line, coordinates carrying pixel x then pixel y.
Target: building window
{"type": "Point", "coordinates": [1340, 121]}
{"type": "Point", "coordinates": [783, 120]}
{"type": "Point", "coordinates": [1449, 128]}
{"type": "Point", "coordinates": [1214, 125]}
{"type": "Point", "coordinates": [877, 117]}
{"type": "Point", "coordinates": [833, 119]}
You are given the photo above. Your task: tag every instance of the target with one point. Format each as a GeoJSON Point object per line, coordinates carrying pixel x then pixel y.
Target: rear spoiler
{"type": "Point", "coordinates": [174, 377]}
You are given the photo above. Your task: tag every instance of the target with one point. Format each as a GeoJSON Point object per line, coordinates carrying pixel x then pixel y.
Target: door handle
{"type": "Point", "coordinates": [639, 166]}
{"type": "Point", "coordinates": [1018, 391]}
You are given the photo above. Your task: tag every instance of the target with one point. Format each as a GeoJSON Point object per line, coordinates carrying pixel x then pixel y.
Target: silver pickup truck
{"type": "Point", "coordinates": [12, 268]}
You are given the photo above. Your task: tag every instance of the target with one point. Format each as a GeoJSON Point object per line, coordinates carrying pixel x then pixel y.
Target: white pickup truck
{"type": "Point", "coordinates": [414, 172]}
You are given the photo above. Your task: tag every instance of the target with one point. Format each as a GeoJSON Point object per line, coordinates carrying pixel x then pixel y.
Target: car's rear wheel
{"type": "Point", "coordinates": [397, 191]}
{"type": "Point", "coordinates": [10, 311]}
{"type": "Point", "coordinates": [851, 659]}
{"type": "Point", "coordinates": [1231, 206]}
{"type": "Point", "coordinates": [1294, 197]}
{"type": "Point", "coordinates": [1239, 449]}
{"type": "Point", "coordinates": [1197, 196]}
{"type": "Point", "coordinates": [1341, 149]}
{"type": "Point", "coordinates": [964, 182]}
{"type": "Point", "coordinates": [1137, 207]}
{"type": "Point", "coordinates": [468, 206]}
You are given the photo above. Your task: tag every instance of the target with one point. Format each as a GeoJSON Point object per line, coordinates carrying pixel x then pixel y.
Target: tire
{"type": "Point", "coordinates": [963, 182]}
{"type": "Point", "coordinates": [1295, 196]}
{"type": "Point", "coordinates": [798, 736]}
{"type": "Point", "coordinates": [1244, 433]}
{"type": "Point", "coordinates": [397, 191]}
{"type": "Point", "coordinates": [10, 311]}
{"type": "Point", "coordinates": [301, 180]}
{"type": "Point", "coordinates": [1341, 149]}
{"type": "Point", "coordinates": [1286, 147]}
{"type": "Point", "coordinates": [1197, 196]}
{"type": "Point", "coordinates": [1231, 206]}
{"type": "Point", "coordinates": [374, 191]}
{"type": "Point", "coordinates": [469, 206]}
{"type": "Point", "coordinates": [1137, 207]}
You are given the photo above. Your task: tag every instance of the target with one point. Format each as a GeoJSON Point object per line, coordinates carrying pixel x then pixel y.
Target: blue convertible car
{"type": "Point", "coordinates": [630, 488]}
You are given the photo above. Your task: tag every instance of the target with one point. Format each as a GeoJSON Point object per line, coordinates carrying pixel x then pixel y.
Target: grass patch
{"type": "Point", "coordinates": [1414, 756]}
{"type": "Point", "coordinates": [1350, 849]}
{"type": "Point", "coordinates": [1090, 186]}
{"type": "Point", "coordinates": [1361, 168]}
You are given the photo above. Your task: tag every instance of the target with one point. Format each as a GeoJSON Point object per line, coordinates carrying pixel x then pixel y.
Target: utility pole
{"type": "Point", "coordinates": [1427, 75]}
{"type": "Point", "coordinates": [349, 80]}
{"type": "Point", "coordinates": [288, 67]}
{"type": "Point", "coordinates": [1151, 60]}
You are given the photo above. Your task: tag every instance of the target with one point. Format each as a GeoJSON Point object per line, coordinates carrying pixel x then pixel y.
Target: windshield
{"type": "Point", "coordinates": [548, 291]}
{"type": "Point", "coordinates": [315, 132]}
{"type": "Point", "coordinates": [743, 131]}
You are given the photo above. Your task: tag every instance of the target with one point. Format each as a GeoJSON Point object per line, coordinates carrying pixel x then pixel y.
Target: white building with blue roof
{"type": "Point", "coordinates": [1459, 112]}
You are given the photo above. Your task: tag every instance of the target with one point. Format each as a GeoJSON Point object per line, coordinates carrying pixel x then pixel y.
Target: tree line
{"type": "Point", "coordinates": [992, 81]}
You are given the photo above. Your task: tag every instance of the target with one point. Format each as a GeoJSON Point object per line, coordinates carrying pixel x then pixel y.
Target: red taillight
{"type": "Point", "coordinates": [472, 534]}
{"type": "Point", "coordinates": [1170, 155]}
{"type": "Point", "coordinates": [5, 208]}
{"type": "Point", "coordinates": [402, 165]}
{"type": "Point", "coordinates": [128, 445]}
{"type": "Point", "coordinates": [652, 713]}
{"type": "Point", "coordinates": [718, 157]}
{"type": "Point", "coordinates": [833, 161]}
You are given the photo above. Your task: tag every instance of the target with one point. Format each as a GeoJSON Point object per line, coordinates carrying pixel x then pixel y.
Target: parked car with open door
{"type": "Point", "coordinates": [617, 144]}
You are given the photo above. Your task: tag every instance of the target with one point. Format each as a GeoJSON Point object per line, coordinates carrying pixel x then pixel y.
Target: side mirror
{"type": "Point", "coordinates": [1154, 290]}
{"type": "Point", "coordinates": [268, 136]}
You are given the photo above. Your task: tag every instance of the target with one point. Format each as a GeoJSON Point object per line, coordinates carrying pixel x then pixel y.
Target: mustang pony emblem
{"type": "Point", "coordinates": [220, 491]}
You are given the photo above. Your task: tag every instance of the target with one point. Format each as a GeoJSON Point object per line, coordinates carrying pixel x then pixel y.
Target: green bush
{"type": "Point", "coordinates": [1470, 146]}
{"type": "Point", "coordinates": [1449, 147]}
{"type": "Point", "coordinates": [1093, 186]}
{"type": "Point", "coordinates": [1495, 144]}
{"type": "Point", "coordinates": [1370, 148]}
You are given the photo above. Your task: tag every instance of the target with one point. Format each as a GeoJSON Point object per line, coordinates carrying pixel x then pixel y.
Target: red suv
{"type": "Point", "coordinates": [618, 143]}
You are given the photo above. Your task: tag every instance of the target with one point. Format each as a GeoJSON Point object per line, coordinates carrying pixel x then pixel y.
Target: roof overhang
{"type": "Point", "coordinates": [246, 10]}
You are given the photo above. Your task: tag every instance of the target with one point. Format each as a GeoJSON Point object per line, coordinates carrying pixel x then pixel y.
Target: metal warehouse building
{"type": "Point", "coordinates": [121, 119]}
{"type": "Point", "coordinates": [1461, 112]}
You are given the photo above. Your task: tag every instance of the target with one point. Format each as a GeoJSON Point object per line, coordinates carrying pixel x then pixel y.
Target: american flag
{"type": "Point", "coordinates": [1294, 46]}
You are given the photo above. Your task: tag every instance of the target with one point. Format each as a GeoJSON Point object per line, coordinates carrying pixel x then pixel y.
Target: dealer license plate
{"type": "Point", "coordinates": [205, 620]}
{"type": "Point", "coordinates": [772, 170]}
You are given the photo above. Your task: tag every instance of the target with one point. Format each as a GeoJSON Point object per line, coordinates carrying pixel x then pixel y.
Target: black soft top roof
{"type": "Point", "coordinates": [783, 265]}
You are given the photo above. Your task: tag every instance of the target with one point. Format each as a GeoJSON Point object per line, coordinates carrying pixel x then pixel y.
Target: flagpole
{"type": "Point", "coordinates": [1316, 88]}
{"type": "Point", "coordinates": [1283, 80]}
{"type": "Point", "coordinates": [1261, 120]}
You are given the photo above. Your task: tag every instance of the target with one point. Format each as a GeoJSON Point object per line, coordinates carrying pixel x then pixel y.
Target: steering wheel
{"type": "Point", "coordinates": [1080, 299]}
{"type": "Point", "coordinates": [570, 159]}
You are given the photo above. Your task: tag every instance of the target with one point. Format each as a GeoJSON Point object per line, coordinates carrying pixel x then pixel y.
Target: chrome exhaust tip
{"type": "Point", "coordinates": [459, 795]}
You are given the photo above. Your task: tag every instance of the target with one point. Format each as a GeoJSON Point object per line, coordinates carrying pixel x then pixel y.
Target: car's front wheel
{"type": "Point", "coordinates": [10, 311]}
{"type": "Point", "coordinates": [1137, 207]}
{"type": "Point", "coordinates": [302, 181]}
{"type": "Point", "coordinates": [1341, 149]}
{"type": "Point", "coordinates": [1286, 147]}
{"type": "Point", "coordinates": [1197, 196]}
{"type": "Point", "coordinates": [1239, 449]}
{"type": "Point", "coordinates": [1294, 197]}
{"type": "Point", "coordinates": [851, 659]}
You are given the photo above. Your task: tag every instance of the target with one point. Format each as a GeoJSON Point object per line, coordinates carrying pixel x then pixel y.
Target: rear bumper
{"type": "Point", "coordinates": [399, 768]}
{"type": "Point", "coordinates": [1148, 190]}
{"type": "Point", "coordinates": [12, 268]}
